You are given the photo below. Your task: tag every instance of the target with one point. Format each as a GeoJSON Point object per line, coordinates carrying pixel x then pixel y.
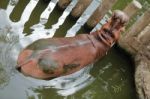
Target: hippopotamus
{"type": "Point", "coordinates": [55, 57]}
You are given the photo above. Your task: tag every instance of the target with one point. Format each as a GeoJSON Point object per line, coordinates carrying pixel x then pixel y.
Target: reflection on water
{"type": "Point", "coordinates": [4, 78]}
{"type": "Point", "coordinates": [110, 78]}
{"type": "Point", "coordinates": [69, 84]}
{"type": "Point", "coordinates": [7, 41]}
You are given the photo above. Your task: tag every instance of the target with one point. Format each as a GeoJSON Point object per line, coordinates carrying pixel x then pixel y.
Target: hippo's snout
{"type": "Point", "coordinates": [121, 16]}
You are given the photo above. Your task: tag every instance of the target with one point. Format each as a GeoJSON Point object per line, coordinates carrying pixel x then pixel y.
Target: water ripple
{"type": "Point", "coordinates": [69, 84]}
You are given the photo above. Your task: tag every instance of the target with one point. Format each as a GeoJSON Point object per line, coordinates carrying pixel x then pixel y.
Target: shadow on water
{"type": "Point", "coordinates": [3, 4]}
{"type": "Point", "coordinates": [35, 16]}
{"type": "Point", "coordinates": [52, 20]}
{"type": "Point", "coordinates": [61, 32]}
{"type": "Point", "coordinates": [17, 11]}
{"type": "Point", "coordinates": [110, 78]}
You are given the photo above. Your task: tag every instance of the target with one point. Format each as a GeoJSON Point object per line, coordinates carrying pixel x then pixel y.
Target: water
{"type": "Point", "coordinates": [22, 22]}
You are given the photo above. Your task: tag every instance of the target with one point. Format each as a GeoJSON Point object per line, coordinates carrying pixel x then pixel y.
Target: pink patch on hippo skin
{"type": "Point", "coordinates": [23, 57]}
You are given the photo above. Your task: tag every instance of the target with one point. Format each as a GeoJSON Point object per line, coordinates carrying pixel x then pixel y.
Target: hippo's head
{"type": "Point", "coordinates": [109, 33]}
{"type": "Point", "coordinates": [117, 21]}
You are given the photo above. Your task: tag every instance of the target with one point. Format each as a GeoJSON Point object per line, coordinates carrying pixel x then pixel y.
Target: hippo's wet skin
{"type": "Point", "coordinates": [53, 57]}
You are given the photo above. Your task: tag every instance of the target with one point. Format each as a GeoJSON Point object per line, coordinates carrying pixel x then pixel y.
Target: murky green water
{"type": "Point", "coordinates": [110, 78]}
